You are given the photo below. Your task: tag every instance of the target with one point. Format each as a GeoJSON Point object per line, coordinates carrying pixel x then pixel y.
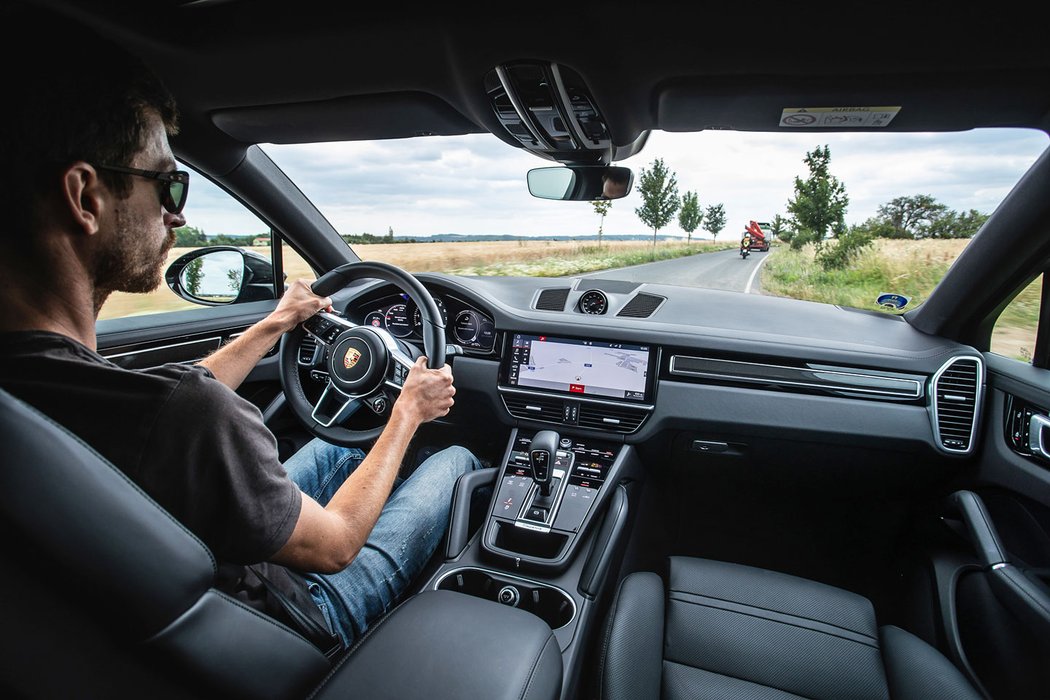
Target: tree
{"type": "Point", "coordinates": [778, 227]}
{"type": "Point", "coordinates": [190, 237]}
{"type": "Point", "coordinates": [390, 234]}
{"type": "Point", "coordinates": [690, 216]}
{"type": "Point", "coordinates": [659, 189]}
{"type": "Point", "coordinates": [715, 219]}
{"type": "Point", "coordinates": [922, 216]}
{"type": "Point", "coordinates": [819, 205]}
{"type": "Point", "coordinates": [911, 217]}
{"type": "Point", "coordinates": [601, 208]}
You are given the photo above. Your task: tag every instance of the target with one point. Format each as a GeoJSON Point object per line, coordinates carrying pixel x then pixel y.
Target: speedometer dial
{"type": "Point", "coordinates": [417, 317]}
{"type": "Point", "coordinates": [397, 321]}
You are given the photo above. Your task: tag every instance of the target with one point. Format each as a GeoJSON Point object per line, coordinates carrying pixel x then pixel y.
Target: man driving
{"type": "Point", "coordinates": [92, 198]}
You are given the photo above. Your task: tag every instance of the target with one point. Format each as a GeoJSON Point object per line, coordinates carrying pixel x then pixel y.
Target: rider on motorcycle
{"type": "Point", "coordinates": [745, 244]}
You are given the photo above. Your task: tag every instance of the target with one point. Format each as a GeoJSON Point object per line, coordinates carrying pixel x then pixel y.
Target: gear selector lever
{"type": "Point", "coordinates": [542, 451]}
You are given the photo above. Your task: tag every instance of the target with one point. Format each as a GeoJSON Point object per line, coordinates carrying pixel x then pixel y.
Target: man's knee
{"type": "Point", "coordinates": [449, 464]}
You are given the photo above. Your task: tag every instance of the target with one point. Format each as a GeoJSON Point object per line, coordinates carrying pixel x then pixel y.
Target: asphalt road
{"type": "Point", "coordinates": [722, 270]}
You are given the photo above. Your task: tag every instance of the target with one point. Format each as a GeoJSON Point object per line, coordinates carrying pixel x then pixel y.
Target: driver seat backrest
{"type": "Point", "coordinates": [104, 594]}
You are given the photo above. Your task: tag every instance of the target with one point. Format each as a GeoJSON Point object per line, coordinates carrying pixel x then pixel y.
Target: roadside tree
{"type": "Point", "coordinates": [819, 205]}
{"type": "Point", "coordinates": [715, 219]}
{"type": "Point", "coordinates": [601, 208]}
{"type": "Point", "coordinates": [659, 189]}
{"type": "Point", "coordinates": [690, 216]}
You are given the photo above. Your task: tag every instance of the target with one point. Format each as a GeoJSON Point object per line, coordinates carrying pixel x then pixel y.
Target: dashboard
{"type": "Point", "coordinates": [657, 358]}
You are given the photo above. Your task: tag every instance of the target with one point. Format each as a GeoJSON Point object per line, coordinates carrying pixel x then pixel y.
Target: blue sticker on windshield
{"type": "Point", "coordinates": [892, 301]}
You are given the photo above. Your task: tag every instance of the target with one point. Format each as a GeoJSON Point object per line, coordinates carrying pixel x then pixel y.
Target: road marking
{"type": "Point", "coordinates": [751, 279]}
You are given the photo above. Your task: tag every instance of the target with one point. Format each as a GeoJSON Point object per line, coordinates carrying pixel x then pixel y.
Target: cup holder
{"type": "Point", "coordinates": [550, 604]}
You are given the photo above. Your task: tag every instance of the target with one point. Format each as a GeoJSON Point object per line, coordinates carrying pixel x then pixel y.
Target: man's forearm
{"type": "Point", "coordinates": [233, 362]}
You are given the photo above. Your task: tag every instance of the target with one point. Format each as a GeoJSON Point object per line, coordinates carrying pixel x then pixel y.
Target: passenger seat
{"type": "Point", "coordinates": [728, 631]}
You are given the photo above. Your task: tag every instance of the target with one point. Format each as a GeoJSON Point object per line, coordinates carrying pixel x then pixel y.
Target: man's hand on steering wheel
{"type": "Point", "coordinates": [427, 393]}
{"type": "Point", "coordinates": [298, 304]}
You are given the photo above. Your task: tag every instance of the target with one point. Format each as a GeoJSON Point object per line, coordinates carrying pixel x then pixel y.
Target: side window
{"type": "Point", "coordinates": [1015, 331]}
{"type": "Point", "coordinates": [213, 218]}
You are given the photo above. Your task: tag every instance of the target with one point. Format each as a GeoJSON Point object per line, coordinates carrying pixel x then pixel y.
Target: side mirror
{"type": "Point", "coordinates": [580, 183]}
{"type": "Point", "coordinates": [221, 275]}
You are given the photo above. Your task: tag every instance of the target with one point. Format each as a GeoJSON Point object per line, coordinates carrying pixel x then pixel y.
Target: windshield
{"type": "Point", "coordinates": [834, 217]}
{"type": "Point", "coordinates": [865, 220]}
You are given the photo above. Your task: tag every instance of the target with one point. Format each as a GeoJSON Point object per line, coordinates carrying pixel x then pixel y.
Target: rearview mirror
{"type": "Point", "coordinates": [580, 183]}
{"type": "Point", "coordinates": [221, 275]}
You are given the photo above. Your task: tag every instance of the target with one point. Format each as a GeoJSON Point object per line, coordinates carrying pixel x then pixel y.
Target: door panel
{"type": "Point", "coordinates": [1000, 614]}
{"type": "Point", "coordinates": [138, 342]}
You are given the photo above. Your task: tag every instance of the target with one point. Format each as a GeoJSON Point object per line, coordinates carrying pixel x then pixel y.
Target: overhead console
{"type": "Point", "coordinates": [549, 110]}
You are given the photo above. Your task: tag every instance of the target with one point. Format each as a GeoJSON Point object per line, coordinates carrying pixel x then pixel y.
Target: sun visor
{"type": "Point", "coordinates": [862, 103]}
{"type": "Point", "coordinates": [360, 118]}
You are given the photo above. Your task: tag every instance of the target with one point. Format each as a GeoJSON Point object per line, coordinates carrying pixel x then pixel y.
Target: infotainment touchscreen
{"type": "Point", "coordinates": [587, 367]}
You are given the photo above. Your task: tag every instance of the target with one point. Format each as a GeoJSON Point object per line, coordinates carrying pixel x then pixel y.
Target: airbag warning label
{"type": "Point", "coordinates": [837, 117]}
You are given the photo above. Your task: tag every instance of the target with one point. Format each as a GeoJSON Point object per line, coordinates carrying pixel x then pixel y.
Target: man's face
{"type": "Point", "coordinates": [137, 238]}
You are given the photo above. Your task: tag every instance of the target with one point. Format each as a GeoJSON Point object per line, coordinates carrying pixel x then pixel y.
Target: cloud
{"type": "Point", "coordinates": [475, 184]}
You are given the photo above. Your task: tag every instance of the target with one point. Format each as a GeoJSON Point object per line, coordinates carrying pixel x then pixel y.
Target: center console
{"type": "Point", "coordinates": [532, 530]}
{"type": "Point", "coordinates": [555, 520]}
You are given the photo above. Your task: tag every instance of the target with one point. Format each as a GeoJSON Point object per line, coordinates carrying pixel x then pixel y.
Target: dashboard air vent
{"type": "Point", "coordinates": [621, 419]}
{"type": "Point", "coordinates": [534, 407]}
{"type": "Point", "coordinates": [956, 397]}
{"type": "Point", "coordinates": [552, 299]}
{"type": "Point", "coordinates": [642, 306]}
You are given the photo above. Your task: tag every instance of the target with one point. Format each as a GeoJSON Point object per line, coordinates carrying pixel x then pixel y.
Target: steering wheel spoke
{"type": "Point", "coordinates": [334, 407]}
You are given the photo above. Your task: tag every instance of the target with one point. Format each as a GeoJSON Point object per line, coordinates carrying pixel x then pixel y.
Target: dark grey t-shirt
{"type": "Point", "coordinates": [196, 447]}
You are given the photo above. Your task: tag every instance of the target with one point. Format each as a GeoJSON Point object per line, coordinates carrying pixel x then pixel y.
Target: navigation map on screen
{"type": "Point", "coordinates": [616, 370]}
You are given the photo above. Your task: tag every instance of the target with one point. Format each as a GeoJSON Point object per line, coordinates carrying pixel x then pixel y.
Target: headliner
{"type": "Point", "coordinates": [253, 71]}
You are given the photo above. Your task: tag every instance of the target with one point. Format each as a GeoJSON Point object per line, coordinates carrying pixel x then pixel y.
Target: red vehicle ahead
{"type": "Point", "coordinates": [759, 239]}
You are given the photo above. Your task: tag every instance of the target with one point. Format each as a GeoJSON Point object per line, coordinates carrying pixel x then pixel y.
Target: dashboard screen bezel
{"type": "Point", "coordinates": [507, 360]}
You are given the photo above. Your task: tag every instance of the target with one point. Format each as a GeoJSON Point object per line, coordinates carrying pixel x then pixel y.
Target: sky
{"type": "Point", "coordinates": [475, 184]}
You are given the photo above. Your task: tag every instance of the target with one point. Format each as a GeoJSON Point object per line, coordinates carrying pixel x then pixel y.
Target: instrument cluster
{"type": "Point", "coordinates": [464, 324]}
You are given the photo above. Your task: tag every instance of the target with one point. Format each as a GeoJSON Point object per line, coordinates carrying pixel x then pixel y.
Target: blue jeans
{"type": "Point", "coordinates": [410, 528]}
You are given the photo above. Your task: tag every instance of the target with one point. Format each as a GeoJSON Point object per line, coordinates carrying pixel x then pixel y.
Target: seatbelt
{"type": "Point", "coordinates": [321, 637]}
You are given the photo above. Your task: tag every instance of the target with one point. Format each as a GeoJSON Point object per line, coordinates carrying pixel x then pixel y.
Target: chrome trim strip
{"type": "Point", "coordinates": [978, 395]}
{"type": "Point", "coordinates": [519, 109]}
{"type": "Point", "coordinates": [500, 574]}
{"type": "Point", "coordinates": [914, 393]}
{"type": "Point", "coordinates": [535, 527]}
{"type": "Point", "coordinates": [604, 402]}
{"type": "Point", "coordinates": [217, 339]}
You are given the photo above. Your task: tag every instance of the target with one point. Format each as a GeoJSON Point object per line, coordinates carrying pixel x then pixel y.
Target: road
{"type": "Point", "coordinates": [722, 270]}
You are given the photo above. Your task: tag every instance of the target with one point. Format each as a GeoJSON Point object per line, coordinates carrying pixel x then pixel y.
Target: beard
{"type": "Point", "coordinates": [127, 262]}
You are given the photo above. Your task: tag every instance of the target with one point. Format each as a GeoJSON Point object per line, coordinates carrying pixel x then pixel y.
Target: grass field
{"type": "Point", "coordinates": [911, 268]}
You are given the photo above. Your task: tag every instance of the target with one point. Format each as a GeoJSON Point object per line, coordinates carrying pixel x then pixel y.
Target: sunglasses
{"type": "Point", "coordinates": [173, 192]}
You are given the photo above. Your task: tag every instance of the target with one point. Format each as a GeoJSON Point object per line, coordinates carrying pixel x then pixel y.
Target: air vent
{"type": "Point", "coordinates": [552, 299]}
{"type": "Point", "coordinates": [621, 419]}
{"type": "Point", "coordinates": [534, 407]}
{"type": "Point", "coordinates": [307, 351]}
{"type": "Point", "coordinates": [642, 306]}
{"type": "Point", "coordinates": [956, 396]}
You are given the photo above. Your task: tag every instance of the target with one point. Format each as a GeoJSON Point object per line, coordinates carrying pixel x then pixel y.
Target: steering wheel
{"type": "Point", "coordinates": [362, 365]}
